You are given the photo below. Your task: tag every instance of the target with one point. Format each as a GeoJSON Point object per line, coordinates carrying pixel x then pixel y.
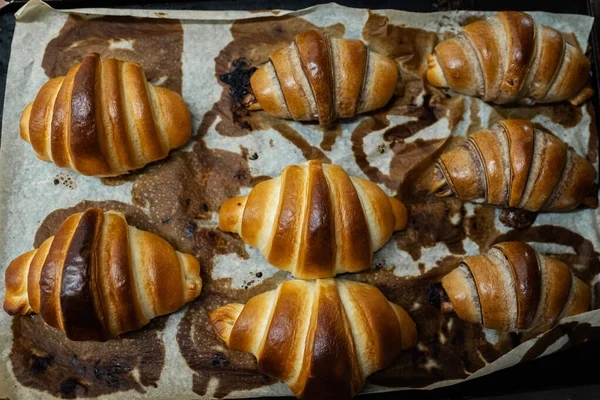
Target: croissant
{"type": "Point", "coordinates": [99, 277]}
{"type": "Point", "coordinates": [103, 119]}
{"type": "Point", "coordinates": [515, 165]}
{"type": "Point", "coordinates": [514, 288]}
{"type": "Point", "coordinates": [508, 58]}
{"type": "Point", "coordinates": [315, 221]}
{"type": "Point", "coordinates": [323, 337]}
{"type": "Point", "coordinates": [318, 77]}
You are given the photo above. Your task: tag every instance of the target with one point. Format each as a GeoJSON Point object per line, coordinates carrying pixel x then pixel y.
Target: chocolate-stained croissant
{"type": "Point", "coordinates": [323, 78]}
{"type": "Point", "coordinates": [323, 338]}
{"type": "Point", "coordinates": [510, 58]}
{"type": "Point", "coordinates": [514, 288]}
{"type": "Point", "coordinates": [104, 119]}
{"type": "Point", "coordinates": [98, 277]}
{"type": "Point", "coordinates": [516, 165]}
{"type": "Point", "coordinates": [315, 221]}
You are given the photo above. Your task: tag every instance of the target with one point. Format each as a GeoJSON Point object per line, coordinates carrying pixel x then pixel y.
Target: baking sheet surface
{"type": "Point", "coordinates": [232, 150]}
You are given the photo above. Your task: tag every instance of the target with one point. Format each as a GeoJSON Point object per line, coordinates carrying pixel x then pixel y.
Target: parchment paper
{"type": "Point", "coordinates": [179, 355]}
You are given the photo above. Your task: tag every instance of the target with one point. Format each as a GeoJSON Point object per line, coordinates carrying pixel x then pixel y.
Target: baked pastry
{"type": "Point", "coordinates": [323, 337]}
{"type": "Point", "coordinates": [98, 277]}
{"type": "Point", "coordinates": [514, 288]}
{"type": "Point", "coordinates": [515, 165]}
{"type": "Point", "coordinates": [103, 119]}
{"type": "Point", "coordinates": [510, 58]}
{"type": "Point", "coordinates": [322, 78]}
{"type": "Point", "coordinates": [315, 221]}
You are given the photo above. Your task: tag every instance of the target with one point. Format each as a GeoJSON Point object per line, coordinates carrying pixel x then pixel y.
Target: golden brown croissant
{"type": "Point", "coordinates": [99, 277]}
{"type": "Point", "coordinates": [513, 288]}
{"type": "Point", "coordinates": [103, 119]}
{"type": "Point", "coordinates": [515, 165]}
{"type": "Point", "coordinates": [315, 221]}
{"type": "Point", "coordinates": [323, 337]}
{"type": "Point", "coordinates": [508, 58]}
{"type": "Point", "coordinates": [318, 77]}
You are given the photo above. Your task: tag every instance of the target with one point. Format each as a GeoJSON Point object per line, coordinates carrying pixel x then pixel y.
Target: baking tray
{"type": "Point", "coordinates": [564, 375]}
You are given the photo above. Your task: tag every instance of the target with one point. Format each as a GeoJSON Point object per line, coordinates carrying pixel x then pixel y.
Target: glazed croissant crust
{"type": "Point", "coordinates": [513, 287]}
{"type": "Point", "coordinates": [98, 277]}
{"type": "Point", "coordinates": [104, 119]}
{"type": "Point", "coordinates": [508, 58]}
{"type": "Point", "coordinates": [318, 77]}
{"type": "Point", "coordinates": [315, 221]}
{"type": "Point", "coordinates": [323, 337]}
{"type": "Point", "coordinates": [515, 165]}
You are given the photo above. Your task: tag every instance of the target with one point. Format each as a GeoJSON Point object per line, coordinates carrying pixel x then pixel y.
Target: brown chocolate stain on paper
{"type": "Point", "coordinates": [433, 220]}
{"type": "Point", "coordinates": [424, 106]}
{"type": "Point", "coordinates": [207, 355]}
{"type": "Point", "coordinates": [44, 359]}
{"type": "Point", "coordinates": [156, 44]}
{"type": "Point", "coordinates": [446, 350]}
{"type": "Point", "coordinates": [407, 46]}
{"type": "Point", "coordinates": [411, 160]}
{"type": "Point", "coordinates": [575, 332]}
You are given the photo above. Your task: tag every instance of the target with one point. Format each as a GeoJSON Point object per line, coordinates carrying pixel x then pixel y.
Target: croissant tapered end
{"type": "Point", "coordinates": [584, 95]}
{"type": "Point", "coordinates": [223, 319]}
{"type": "Point", "coordinates": [400, 214]}
{"type": "Point", "coordinates": [104, 119]}
{"type": "Point", "coordinates": [435, 74]}
{"type": "Point", "coordinates": [98, 277]}
{"type": "Point", "coordinates": [440, 185]}
{"type": "Point", "coordinates": [191, 270]}
{"type": "Point", "coordinates": [380, 84]}
{"type": "Point", "coordinates": [24, 123]}
{"type": "Point", "coordinates": [264, 95]}
{"type": "Point", "coordinates": [16, 301]}
{"type": "Point", "coordinates": [175, 117]}
{"type": "Point", "coordinates": [462, 295]}
{"type": "Point", "coordinates": [408, 326]}
{"type": "Point", "coordinates": [253, 106]}
{"type": "Point", "coordinates": [581, 299]}
{"type": "Point", "coordinates": [230, 214]}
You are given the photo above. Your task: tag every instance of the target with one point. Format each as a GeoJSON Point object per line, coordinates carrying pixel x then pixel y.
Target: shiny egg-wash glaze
{"type": "Point", "coordinates": [104, 119]}
{"type": "Point", "coordinates": [510, 58]}
{"type": "Point", "coordinates": [322, 78]}
{"type": "Point", "coordinates": [516, 165]}
{"type": "Point", "coordinates": [514, 288]}
{"type": "Point", "coordinates": [315, 221]}
{"type": "Point", "coordinates": [322, 337]}
{"type": "Point", "coordinates": [98, 277]}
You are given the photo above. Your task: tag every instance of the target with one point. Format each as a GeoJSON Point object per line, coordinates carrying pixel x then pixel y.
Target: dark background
{"type": "Point", "coordinates": [573, 374]}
